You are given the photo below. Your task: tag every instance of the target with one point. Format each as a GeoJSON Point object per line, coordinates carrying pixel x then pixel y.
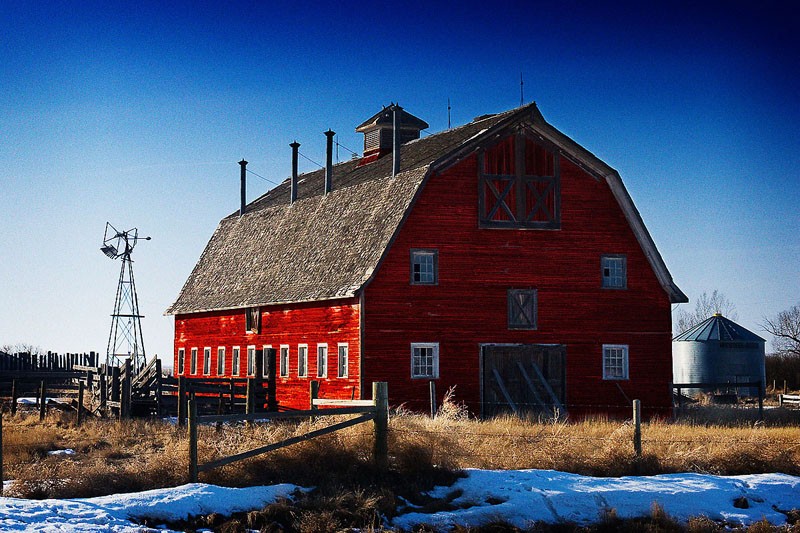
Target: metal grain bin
{"type": "Point", "coordinates": [718, 351]}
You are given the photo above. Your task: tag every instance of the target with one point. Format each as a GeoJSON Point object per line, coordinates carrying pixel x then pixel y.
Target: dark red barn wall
{"type": "Point", "coordinates": [331, 322]}
{"type": "Point", "coordinates": [469, 305]}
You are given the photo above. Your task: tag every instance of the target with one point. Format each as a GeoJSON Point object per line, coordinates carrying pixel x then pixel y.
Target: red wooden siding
{"type": "Point", "coordinates": [310, 324]}
{"type": "Point", "coordinates": [468, 307]}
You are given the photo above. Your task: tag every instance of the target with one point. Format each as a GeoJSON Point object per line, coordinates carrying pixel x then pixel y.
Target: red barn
{"type": "Point", "coordinates": [500, 257]}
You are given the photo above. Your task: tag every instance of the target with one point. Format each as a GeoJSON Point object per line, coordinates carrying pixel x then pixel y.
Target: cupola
{"type": "Point", "coordinates": [378, 131]}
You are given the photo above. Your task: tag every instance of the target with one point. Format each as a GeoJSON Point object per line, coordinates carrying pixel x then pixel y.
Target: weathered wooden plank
{"type": "Point", "coordinates": [285, 443]}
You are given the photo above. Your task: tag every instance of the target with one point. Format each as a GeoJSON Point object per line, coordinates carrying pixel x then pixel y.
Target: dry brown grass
{"type": "Point", "coordinates": [137, 455]}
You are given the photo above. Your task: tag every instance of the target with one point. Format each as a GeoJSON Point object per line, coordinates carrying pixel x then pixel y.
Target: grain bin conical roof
{"type": "Point", "coordinates": [718, 328]}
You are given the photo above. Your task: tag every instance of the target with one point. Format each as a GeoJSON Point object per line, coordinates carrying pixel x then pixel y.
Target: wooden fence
{"type": "Point", "coordinates": [789, 400]}
{"type": "Point", "coordinates": [376, 410]}
{"type": "Point", "coordinates": [679, 387]}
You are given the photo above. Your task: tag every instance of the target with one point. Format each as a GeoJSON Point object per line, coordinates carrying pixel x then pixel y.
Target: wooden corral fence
{"type": "Point", "coordinates": [679, 387]}
{"type": "Point", "coordinates": [789, 400]}
{"type": "Point", "coordinates": [45, 362]}
{"type": "Point", "coordinates": [375, 410]}
{"type": "Point", "coordinates": [122, 392]}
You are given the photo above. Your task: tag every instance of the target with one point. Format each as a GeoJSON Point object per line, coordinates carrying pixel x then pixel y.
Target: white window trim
{"type": "Point", "coordinates": [207, 361]}
{"type": "Point", "coordinates": [603, 278]}
{"type": "Point", "coordinates": [283, 370]}
{"type": "Point", "coordinates": [181, 360]}
{"type": "Point", "coordinates": [305, 366]}
{"type": "Point", "coordinates": [435, 346]}
{"type": "Point", "coordinates": [324, 373]}
{"type": "Point", "coordinates": [251, 361]}
{"type": "Point", "coordinates": [236, 356]}
{"type": "Point", "coordinates": [264, 365]}
{"type": "Point", "coordinates": [339, 369]}
{"type": "Point", "coordinates": [625, 361]}
{"type": "Point", "coordinates": [193, 363]}
{"type": "Point", "coordinates": [220, 360]}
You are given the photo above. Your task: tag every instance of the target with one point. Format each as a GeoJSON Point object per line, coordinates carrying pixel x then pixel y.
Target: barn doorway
{"type": "Point", "coordinates": [523, 379]}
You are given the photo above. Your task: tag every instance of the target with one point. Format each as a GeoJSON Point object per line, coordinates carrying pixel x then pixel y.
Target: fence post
{"type": "Point", "coordinates": [1, 451]}
{"type": "Point", "coordinates": [115, 388]}
{"type": "Point", "coordinates": [192, 440]}
{"type": "Point", "coordinates": [125, 405]}
{"type": "Point", "coordinates": [313, 394]}
{"type": "Point", "coordinates": [181, 401]}
{"type": "Point", "coordinates": [103, 376]}
{"type": "Point", "coordinates": [380, 397]}
{"type": "Point", "coordinates": [13, 397]}
{"type": "Point", "coordinates": [433, 398]}
{"type": "Point", "coordinates": [79, 418]}
{"type": "Point", "coordinates": [250, 404]}
{"type": "Point", "coordinates": [760, 401]}
{"type": "Point", "coordinates": [42, 400]}
{"type": "Point", "coordinates": [637, 428]}
{"type": "Point", "coordinates": [159, 406]}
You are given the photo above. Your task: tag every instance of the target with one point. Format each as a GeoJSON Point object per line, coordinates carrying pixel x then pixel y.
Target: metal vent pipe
{"type": "Point", "coordinates": [396, 111]}
{"type": "Point", "coordinates": [293, 193]}
{"type": "Point", "coordinates": [243, 186]}
{"type": "Point", "coordinates": [329, 161]}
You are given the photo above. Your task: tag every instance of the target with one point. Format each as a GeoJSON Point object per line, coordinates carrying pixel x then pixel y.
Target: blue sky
{"type": "Point", "coordinates": [137, 113]}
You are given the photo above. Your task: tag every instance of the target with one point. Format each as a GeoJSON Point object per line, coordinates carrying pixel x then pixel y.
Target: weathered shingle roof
{"type": "Point", "coordinates": [322, 246]}
{"type": "Point", "coordinates": [328, 246]}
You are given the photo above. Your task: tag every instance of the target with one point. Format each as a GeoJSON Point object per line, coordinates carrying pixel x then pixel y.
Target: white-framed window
{"type": "Point", "coordinates": [206, 360]}
{"type": "Point", "coordinates": [193, 362]}
{"type": "Point", "coordinates": [284, 361]}
{"type": "Point", "coordinates": [343, 359]}
{"type": "Point", "coordinates": [425, 360]}
{"type": "Point", "coordinates": [235, 361]}
{"type": "Point", "coordinates": [221, 361]}
{"type": "Point", "coordinates": [251, 360]}
{"type": "Point", "coordinates": [424, 267]}
{"type": "Point", "coordinates": [181, 360]}
{"type": "Point", "coordinates": [614, 271]}
{"type": "Point", "coordinates": [615, 361]}
{"type": "Point", "coordinates": [265, 360]}
{"type": "Point", "coordinates": [322, 360]}
{"type": "Point", "coordinates": [302, 360]}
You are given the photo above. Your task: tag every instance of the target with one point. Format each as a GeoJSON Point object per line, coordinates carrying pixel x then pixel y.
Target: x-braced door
{"type": "Point", "coordinates": [523, 379]}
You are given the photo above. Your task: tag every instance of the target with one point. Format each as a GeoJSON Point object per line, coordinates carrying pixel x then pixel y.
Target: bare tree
{"type": "Point", "coordinates": [21, 347]}
{"type": "Point", "coordinates": [704, 307]}
{"type": "Point", "coordinates": [785, 327]}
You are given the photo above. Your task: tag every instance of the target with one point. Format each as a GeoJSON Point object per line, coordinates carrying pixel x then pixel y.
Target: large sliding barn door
{"type": "Point", "coordinates": [523, 379]}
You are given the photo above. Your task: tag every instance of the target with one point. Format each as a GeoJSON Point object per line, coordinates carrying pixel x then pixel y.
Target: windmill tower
{"type": "Point", "coordinates": [125, 339]}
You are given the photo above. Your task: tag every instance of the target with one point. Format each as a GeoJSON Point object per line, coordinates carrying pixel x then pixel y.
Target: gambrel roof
{"type": "Point", "coordinates": [324, 247]}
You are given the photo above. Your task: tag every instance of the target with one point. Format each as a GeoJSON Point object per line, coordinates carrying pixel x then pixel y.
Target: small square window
{"type": "Point", "coordinates": [424, 267]}
{"type": "Point", "coordinates": [284, 361]}
{"type": "Point", "coordinates": [522, 309]}
{"type": "Point", "coordinates": [181, 360]}
{"type": "Point", "coordinates": [322, 360]}
{"type": "Point", "coordinates": [252, 319]}
{"type": "Point", "coordinates": [343, 362]}
{"type": "Point", "coordinates": [615, 361]}
{"type": "Point", "coordinates": [614, 271]}
{"type": "Point", "coordinates": [302, 361]}
{"type": "Point", "coordinates": [221, 361]}
{"type": "Point", "coordinates": [425, 360]}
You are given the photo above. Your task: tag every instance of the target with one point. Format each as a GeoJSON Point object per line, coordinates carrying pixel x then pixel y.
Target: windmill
{"type": "Point", "coordinates": [125, 339]}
